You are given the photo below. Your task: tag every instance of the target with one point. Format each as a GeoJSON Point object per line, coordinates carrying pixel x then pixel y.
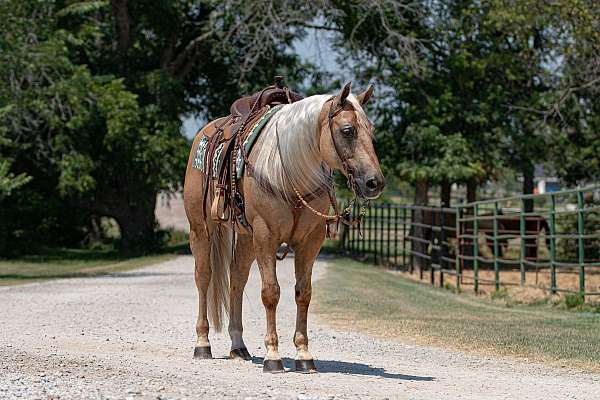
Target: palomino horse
{"type": "Point", "coordinates": [295, 154]}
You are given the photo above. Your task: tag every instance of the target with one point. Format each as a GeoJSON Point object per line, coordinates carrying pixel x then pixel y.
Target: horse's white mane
{"type": "Point", "coordinates": [296, 162]}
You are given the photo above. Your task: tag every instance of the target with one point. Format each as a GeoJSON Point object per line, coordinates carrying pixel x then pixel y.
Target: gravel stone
{"type": "Point", "coordinates": [131, 335]}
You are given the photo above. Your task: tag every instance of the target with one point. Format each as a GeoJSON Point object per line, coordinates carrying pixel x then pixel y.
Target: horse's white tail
{"type": "Point", "coordinates": [221, 242]}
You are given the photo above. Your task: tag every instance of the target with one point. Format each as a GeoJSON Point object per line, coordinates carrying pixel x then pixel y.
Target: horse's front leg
{"type": "Point", "coordinates": [265, 247]}
{"type": "Point", "coordinates": [305, 255]}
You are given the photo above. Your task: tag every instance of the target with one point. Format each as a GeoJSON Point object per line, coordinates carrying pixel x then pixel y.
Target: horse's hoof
{"type": "Point", "coordinates": [273, 366]}
{"type": "Point", "coordinates": [240, 354]}
{"type": "Point", "coordinates": [306, 366]}
{"type": "Point", "coordinates": [202, 352]}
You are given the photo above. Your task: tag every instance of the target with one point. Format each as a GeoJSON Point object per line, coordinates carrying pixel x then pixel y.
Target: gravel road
{"type": "Point", "coordinates": [131, 336]}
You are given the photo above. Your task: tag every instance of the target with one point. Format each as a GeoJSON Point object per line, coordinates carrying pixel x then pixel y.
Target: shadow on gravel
{"type": "Point", "coordinates": [342, 367]}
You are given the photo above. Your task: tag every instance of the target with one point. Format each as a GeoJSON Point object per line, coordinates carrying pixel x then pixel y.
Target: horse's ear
{"type": "Point", "coordinates": [344, 94]}
{"type": "Point", "coordinates": [364, 97]}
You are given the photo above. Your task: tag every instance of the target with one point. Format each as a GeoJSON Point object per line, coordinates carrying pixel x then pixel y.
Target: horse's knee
{"type": "Point", "coordinates": [303, 295]}
{"type": "Point", "coordinates": [270, 294]}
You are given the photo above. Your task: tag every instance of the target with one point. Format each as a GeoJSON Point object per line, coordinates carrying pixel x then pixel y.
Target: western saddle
{"type": "Point", "coordinates": [225, 150]}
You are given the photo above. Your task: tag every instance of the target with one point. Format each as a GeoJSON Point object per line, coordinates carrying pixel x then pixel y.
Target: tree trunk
{"type": "Point", "coordinates": [528, 186]}
{"type": "Point", "coordinates": [133, 209]}
{"type": "Point", "coordinates": [528, 207]}
{"type": "Point", "coordinates": [137, 223]}
{"type": "Point", "coordinates": [422, 193]}
{"type": "Point", "coordinates": [471, 191]}
{"type": "Point", "coordinates": [418, 248]}
{"type": "Point", "coordinates": [446, 193]}
{"type": "Point", "coordinates": [3, 231]}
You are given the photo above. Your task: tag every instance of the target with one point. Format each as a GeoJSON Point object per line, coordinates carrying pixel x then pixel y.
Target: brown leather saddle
{"type": "Point", "coordinates": [225, 145]}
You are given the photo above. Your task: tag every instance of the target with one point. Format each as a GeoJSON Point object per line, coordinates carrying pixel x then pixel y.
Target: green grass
{"type": "Point", "coordinates": [58, 263]}
{"type": "Point", "coordinates": [358, 296]}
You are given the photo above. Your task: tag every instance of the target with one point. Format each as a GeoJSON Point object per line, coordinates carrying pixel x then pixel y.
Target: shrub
{"type": "Point", "coordinates": [573, 300]}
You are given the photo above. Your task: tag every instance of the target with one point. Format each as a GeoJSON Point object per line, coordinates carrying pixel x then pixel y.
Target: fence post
{"type": "Point", "coordinates": [552, 244]}
{"type": "Point", "coordinates": [476, 247]}
{"type": "Point", "coordinates": [443, 248]}
{"type": "Point", "coordinates": [432, 244]}
{"type": "Point", "coordinates": [370, 235]}
{"type": "Point", "coordinates": [363, 239]}
{"type": "Point", "coordinates": [387, 233]}
{"type": "Point", "coordinates": [404, 239]}
{"type": "Point", "coordinates": [458, 250]}
{"type": "Point", "coordinates": [580, 242]}
{"type": "Point", "coordinates": [379, 241]}
{"type": "Point", "coordinates": [496, 267]}
{"type": "Point", "coordinates": [380, 250]}
{"type": "Point", "coordinates": [350, 236]}
{"type": "Point", "coordinates": [396, 236]}
{"type": "Point", "coordinates": [375, 232]}
{"type": "Point", "coordinates": [523, 242]}
{"type": "Point", "coordinates": [345, 235]}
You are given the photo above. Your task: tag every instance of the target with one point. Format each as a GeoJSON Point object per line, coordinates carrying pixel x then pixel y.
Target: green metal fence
{"type": "Point", "coordinates": [549, 241]}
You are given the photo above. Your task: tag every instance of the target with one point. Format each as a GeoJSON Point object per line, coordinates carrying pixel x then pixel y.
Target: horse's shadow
{"type": "Point", "coordinates": [350, 368]}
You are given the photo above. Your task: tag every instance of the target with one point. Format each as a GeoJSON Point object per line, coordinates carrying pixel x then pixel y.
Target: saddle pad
{"type": "Point", "coordinates": [251, 139]}
{"type": "Point", "coordinates": [200, 155]}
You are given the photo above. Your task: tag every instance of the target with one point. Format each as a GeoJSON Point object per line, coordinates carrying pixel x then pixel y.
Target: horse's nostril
{"type": "Point", "coordinates": [372, 183]}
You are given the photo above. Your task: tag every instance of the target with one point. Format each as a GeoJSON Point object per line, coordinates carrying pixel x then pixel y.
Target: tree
{"type": "Point", "coordinates": [95, 93]}
{"type": "Point", "coordinates": [551, 58]}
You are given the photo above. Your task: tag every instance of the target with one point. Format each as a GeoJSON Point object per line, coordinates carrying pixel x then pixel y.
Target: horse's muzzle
{"type": "Point", "coordinates": [370, 186]}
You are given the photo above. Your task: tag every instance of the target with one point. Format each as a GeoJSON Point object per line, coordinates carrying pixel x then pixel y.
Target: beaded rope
{"type": "Point", "coordinates": [330, 217]}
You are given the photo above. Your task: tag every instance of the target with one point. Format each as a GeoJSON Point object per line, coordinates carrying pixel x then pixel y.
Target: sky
{"type": "Point", "coordinates": [315, 47]}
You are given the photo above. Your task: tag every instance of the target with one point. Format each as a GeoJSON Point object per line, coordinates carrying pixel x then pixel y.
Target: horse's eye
{"type": "Point", "coordinates": [348, 130]}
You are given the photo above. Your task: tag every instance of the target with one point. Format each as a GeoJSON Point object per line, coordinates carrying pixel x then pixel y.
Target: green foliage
{"type": "Point", "coordinates": [82, 8]}
{"type": "Point", "coordinates": [436, 157]}
{"type": "Point", "coordinates": [440, 120]}
{"type": "Point", "coordinates": [573, 300]}
{"type": "Point", "coordinates": [496, 85]}
{"type": "Point", "coordinates": [10, 181]}
{"type": "Point", "coordinates": [92, 105]}
{"type": "Point", "coordinates": [93, 93]}
{"type": "Point", "coordinates": [500, 294]}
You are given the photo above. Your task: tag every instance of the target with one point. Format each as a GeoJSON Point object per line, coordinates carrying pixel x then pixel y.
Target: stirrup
{"type": "Point", "coordinates": [219, 211]}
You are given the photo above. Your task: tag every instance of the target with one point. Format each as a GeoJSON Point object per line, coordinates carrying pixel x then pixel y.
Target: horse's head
{"type": "Point", "coordinates": [346, 142]}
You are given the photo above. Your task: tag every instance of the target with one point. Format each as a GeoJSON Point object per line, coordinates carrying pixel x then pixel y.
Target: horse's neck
{"type": "Point", "coordinates": [289, 156]}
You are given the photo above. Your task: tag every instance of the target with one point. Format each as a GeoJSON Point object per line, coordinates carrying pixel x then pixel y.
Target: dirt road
{"type": "Point", "coordinates": [131, 336]}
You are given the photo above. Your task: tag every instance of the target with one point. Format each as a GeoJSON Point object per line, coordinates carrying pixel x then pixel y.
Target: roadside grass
{"type": "Point", "coordinates": [60, 263]}
{"type": "Point", "coordinates": [361, 297]}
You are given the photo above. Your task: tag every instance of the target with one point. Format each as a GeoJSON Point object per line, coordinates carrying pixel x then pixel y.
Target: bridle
{"type": "Point", "coordinates": [345, 216]}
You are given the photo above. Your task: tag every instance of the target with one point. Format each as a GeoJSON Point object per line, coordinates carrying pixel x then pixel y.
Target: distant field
{"type": "Point", "coordinates": [70, 263]}
{"type": "Point", "coordinates": [357, 296]}
{"type": "Point", "coordinates": [55, 263]}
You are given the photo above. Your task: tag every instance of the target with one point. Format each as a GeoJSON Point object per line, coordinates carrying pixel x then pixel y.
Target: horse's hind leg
{"type": "Point", "coordinates": [305, 255]}
{"type": "Point", "coordinates": [265, 247]}
{"type": "Point", "coordinates": [200, 246]}
{"type": "Point", "coordinates": [240, 269]}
